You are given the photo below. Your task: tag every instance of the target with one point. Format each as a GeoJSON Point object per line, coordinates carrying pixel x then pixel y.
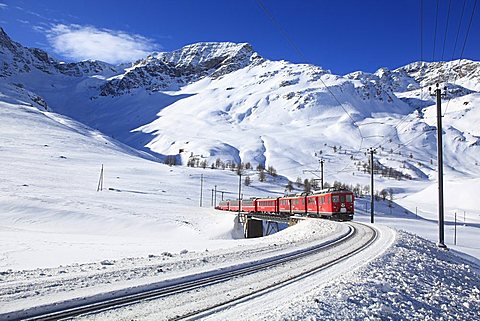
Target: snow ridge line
{"type": "Point", "coordinates": [104, 301]}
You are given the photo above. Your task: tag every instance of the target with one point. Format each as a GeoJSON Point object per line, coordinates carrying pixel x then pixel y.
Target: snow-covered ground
{"type": "Point", "coordinates": [57, 229]}
{"type": "Point", "coordinates": [147, 220]}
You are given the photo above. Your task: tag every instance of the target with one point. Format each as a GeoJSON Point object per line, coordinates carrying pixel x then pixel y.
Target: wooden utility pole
{"type": "Point", "coordinates": [441, 216]}
{"type": "Point", "coordinates": [100, 181]}
{"type": "Point", "coordinates": [321, 169]}
{"type": "Point", "coordinates": [239, 193]}
{"type": "Point", "coordinates": [371, 187]}
{"type": "Point", "coordinates": [201, 190]}
{"type": "Point", "coordinates": [215, 199]}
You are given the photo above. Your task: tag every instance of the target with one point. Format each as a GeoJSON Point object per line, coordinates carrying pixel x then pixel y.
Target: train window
{"type": "Point", "coordinates": [328, 199]}
{"type": "Point", "coordinates": [303, 201]}
{"type": "Point", "coordinates": [342, 198]}
{"type": "Point", "coordinates": [335, 199]}
{"type": "Point", "coordinates": [349, 198]}
{"type": "Point", "coordinates": [322, 201]}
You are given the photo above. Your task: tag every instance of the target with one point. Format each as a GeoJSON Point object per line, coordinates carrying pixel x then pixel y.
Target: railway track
{"type": "Point", "coordinates": [194, 285]}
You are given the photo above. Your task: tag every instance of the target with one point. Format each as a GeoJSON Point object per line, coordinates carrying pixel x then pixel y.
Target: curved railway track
{"type": "Point", "coordinates": [195, 284]}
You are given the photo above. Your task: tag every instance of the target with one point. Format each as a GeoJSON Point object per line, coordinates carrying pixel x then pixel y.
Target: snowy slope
{"type": "Point", "coordinates": [61, 122]}
{"type": "Point", "coordinates": [222, 100]}
{"type": "Point", "coordinates": [52, 214]}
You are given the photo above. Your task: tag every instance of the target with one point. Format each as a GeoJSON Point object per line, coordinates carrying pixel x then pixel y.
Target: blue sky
{"type": "Point", "coordinates": [340, 35]}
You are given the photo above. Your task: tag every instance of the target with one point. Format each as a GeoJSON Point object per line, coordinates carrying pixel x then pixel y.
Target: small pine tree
{"type": "Point", "coordinates": [247, 181]}
{"type": "Point", "coordinates": [307, 188]}
{"type": "Point", "coordinates": [383, 194]}
{"type": "Point", "coordinates": [272, 171]}
{"type": "Point", "coordinates": [239, 170]}
{"type": "Point", "coordinates": [261, 176]}
{"type": "Point", "coordinates": [289, 186]}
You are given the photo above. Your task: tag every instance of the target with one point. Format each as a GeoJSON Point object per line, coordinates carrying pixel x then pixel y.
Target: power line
{"type": "Point", "coordinates": [468, 30]}
{"type": "Point", "coordinates": [463, 47]}
{"type": "Point", "coordinates": [300, 53]}
{"type": "Point", "coordinates": [446, 28]}
{"type": "Point", "coordinates": [404, 118]}
{"type": "Point", "coordinates": [435, 34]}
{"type": "Point", "coordinates": [402, 145]}
{"type": "Point", "coordinates": [459, 27]}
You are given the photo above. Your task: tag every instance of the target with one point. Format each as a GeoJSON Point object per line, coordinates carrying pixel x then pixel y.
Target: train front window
{"type": "Point", "coordinates": [349, 198]}
{"type": "Point", "coordinates": [342, 198]}
{"type": "Point", "coordinates": [335, 199]}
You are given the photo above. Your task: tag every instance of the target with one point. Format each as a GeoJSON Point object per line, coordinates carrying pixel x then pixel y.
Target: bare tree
{"type": "Point", "coordinates": [299, 181]}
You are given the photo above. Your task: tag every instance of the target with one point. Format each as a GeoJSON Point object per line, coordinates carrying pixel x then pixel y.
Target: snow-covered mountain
{"type": "Point", "coordinates": [223, 100]}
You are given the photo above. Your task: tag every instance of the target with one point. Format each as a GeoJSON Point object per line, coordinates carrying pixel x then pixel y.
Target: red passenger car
{"type": "Point", "coordinates": [330, 203]}
{"type": "Point", "coordinates": [266, 205]}
{"type": "Point", "coordinates": [333, 203]}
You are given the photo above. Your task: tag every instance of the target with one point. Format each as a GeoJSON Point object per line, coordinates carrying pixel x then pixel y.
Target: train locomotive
{"type": "Point", "coordinates": [329, 203]}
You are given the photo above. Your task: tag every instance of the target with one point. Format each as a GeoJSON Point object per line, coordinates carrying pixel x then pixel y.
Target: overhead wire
{"type": "Point", "coordinates": [459, 27]}
{"type": "Point", "coordinates": [468, 30]}
{"type": "Point", "coordinates": [300, 54]}
{"type": "Point", "coordinates": [463, 47]}
{"type": "Point", "coordinates": [405, 117]}
{"type": "Point", "coordinates": [435, 33]}
{"type": "Point", "coordinates": [403, 145]}
{"type": "Point", "coordinates": [446, 28]}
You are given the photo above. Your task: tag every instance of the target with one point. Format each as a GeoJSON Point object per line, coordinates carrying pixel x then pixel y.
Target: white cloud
{"type": "Point", "coordinates": [3, 5]}
{"type": "Point", "coordinates": [87, 42]}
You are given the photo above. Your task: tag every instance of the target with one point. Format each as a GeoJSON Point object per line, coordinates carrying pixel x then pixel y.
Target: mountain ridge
{"type": "Point", "coordinates": [187, 99]}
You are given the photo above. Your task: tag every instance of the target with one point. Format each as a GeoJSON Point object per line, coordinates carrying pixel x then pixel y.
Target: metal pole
{"type": "Point", "coordinates": [239, 193]}
{"type": "Point", "coordinates": [455, 234]}
{"type": "Point", "coordinates": [441, 216]}
{"type": "Point", "coordinates": [201, 190]}
{"type": "Point", "coordinates": [222, 195]}
{"type": "Point", "coordinates": [371, 189]}
{"type": "Point", "coordinates": [215, 201]}
{"type": "Point", "coordinates": [321, 168]}
{"type": "Point", "coordinates": [211, 202]}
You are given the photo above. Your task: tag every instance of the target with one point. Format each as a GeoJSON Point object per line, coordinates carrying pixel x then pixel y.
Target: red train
{"type": "Point", "coordinates": [336, 204]}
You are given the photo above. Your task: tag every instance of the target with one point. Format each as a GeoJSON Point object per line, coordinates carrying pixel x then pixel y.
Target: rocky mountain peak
{"type": "Point", "coordinates": [169, 70]}
{"type": "Point", "coordinates": [208, 54]}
